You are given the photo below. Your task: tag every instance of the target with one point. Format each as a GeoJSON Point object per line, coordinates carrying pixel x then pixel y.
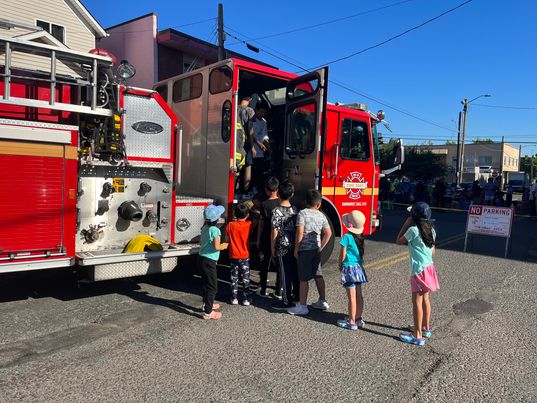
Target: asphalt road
{"type": "Point", "coordinates": [142, 339]}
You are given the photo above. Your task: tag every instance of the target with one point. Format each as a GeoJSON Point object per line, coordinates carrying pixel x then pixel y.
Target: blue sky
{"type": "Point", "coordinates": [486, 46]}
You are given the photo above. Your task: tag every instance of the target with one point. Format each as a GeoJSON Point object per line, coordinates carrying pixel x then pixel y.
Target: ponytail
{"type": "Point", "coordinates": [425, 228]}
{"type": "Point", "coordinates": [359, 240]}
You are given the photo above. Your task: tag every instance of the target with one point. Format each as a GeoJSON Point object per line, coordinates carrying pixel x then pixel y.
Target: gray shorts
{"type": "Point", "coordinates": [309, 264]}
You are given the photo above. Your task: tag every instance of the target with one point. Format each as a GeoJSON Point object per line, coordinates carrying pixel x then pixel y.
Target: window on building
{"type": "Point", "coordinates": [485, 160]}
{"type": "Point", "coordinates": [191, 63]}
{"type": "Point", "coordinates": [163, 91]}
{"type": "Point", "coordinates": [57, 31]}
{"type": "Point", "coordinates": [354, 140]}
{"type": "Point", "coordinates": [187, 88]}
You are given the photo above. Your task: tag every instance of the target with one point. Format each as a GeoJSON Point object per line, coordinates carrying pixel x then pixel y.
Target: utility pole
{"type": "Point", "coordinates": [463, 137]}
{"type": "Point", "coordinates": [465, 104]}
{"type": "Point", "coordinates": [221, 35]}
{"type": "Point", "coordinates": [458, 158]}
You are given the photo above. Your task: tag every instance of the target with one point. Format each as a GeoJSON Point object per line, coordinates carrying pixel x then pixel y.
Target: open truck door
{"type": "Point", "coordinates": [305, 117]}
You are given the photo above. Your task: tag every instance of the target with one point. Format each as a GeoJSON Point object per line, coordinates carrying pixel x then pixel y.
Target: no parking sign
{"type": "Point", "coordinates": [489, 220]}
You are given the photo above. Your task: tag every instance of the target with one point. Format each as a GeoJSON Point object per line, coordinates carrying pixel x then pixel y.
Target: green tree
{"type": "Point", "coordinates": [422, 164]}
{"type": "Point", "coordinates": [526, 163]}
{"type": "Point", "coordinates": [451, 142]}
{"type": "Point", "coordinates": [483, 141]}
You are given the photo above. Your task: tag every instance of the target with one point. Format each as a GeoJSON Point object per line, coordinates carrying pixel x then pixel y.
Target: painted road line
{"type": "Point", "coordinates": [405, 252]}
{"type": "Point", "coordinates": [403, 256]}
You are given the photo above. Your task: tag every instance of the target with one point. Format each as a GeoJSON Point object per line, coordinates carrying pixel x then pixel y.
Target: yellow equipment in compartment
{"type": "Point", "coordinates": [142, 243]}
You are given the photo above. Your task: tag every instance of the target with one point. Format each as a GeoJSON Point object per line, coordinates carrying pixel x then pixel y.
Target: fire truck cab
{"type": "Point", "coordinates": [316, 145]}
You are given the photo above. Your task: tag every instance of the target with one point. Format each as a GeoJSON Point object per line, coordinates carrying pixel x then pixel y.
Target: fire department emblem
{"type": "Point", "coordinates": [355, 185]}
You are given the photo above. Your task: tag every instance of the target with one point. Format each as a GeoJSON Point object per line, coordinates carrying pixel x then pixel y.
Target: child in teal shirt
{"type": "Point", "coordinates": [209, 253]}
{"type": "Point", "coordinates": [352, 271]}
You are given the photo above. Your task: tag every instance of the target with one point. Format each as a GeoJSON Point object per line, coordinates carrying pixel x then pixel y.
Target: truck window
{"type": "Point", "coordinates": [376, 152]}
{"type": "Point", "coordinates": [220, 79]}
{"type": "Point", "coordinates": [303, 89]}
{"type": "Point", "coordinates": [187, 88]}
{"type": "Point", "coordinates": [301, 130]}
{"type": "Point", "coordinates": [354, 140]}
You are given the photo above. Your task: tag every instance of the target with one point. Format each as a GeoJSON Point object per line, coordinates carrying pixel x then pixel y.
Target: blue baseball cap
{"type": "Point", "coordinates": [213, 213]}
{"type": "Point", "coordinates": [420, 211]}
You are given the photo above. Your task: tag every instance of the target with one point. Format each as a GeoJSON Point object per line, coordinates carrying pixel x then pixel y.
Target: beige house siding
{"type": "Point", "coordinates": [511, 156]}
{"type": "Point", "coordinates": [78, 35]}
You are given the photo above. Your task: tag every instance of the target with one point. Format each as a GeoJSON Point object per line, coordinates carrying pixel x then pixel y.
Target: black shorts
{"type": "Point", "coordinates": [309, 264]}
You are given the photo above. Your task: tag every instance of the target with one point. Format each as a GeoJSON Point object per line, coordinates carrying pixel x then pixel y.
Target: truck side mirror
{"type": "Point", "coordinates": [397, 158]}
{"type": "Point", "coordinates": [398, 153]}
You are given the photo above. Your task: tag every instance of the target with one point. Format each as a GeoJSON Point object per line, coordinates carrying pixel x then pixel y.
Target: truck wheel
{"type": "Point", "coordinates": [328, 249]}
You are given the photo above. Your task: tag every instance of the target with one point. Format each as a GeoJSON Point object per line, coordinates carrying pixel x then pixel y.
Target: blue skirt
{"type": "Point", "coordinates": [352, 275]}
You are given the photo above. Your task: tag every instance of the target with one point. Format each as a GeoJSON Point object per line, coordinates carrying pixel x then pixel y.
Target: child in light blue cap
{"type": "Point", "coordinates": [210, 247]}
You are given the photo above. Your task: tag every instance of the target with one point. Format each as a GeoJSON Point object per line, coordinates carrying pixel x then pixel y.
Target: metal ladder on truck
{"type": "Point", "coordinates": [92, 64]}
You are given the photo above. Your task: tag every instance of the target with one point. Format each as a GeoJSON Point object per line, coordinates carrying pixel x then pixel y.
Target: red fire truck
{"type": "Point", "coordinates": [316, 145]}
{"type": "Point", "coordinates": [89, 164]}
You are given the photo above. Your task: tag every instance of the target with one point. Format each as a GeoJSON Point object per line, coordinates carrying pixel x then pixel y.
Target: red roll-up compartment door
{"type": "Point", "coordinates": [34, 199]}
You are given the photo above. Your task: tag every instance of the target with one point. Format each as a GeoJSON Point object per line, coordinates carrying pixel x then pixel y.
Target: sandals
{"type": "Point", "coordinates": [346, 325]}
{"type": "Point", "coordinates": [213, 315]}
{"type": "Point", "coordinates": [426, 333]}
{"type": "Point", "coordinates": [410, 339]}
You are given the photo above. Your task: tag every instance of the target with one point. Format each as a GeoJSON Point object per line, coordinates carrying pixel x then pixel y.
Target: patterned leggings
{"type": "Point", "coordinates": [242, 266]}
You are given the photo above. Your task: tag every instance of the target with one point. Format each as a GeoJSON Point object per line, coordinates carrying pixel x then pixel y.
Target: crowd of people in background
{"type": "Point", "coordinates": [442, 194]}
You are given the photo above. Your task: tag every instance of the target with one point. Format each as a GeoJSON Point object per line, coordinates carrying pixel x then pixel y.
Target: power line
{"type": "Point", "coordinates": [507, 107]}
{"type": "Point", "coordinates": [343, 85]}
{"type": "Point", "coordinates": [306, 27]}
{"type": "Point", "coordinates": [172, 27]}
{"type": "Point", "coordinates": [394, 37]}
{"type": "Point", "coordinates": [263, 50]}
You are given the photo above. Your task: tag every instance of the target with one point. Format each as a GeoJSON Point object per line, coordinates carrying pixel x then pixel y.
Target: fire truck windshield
{"type": "Point", "coordinates": [276, 97]}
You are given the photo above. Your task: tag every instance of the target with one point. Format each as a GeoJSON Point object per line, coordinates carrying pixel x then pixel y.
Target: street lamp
{"type": "Point", "coordinates": [462, 134]}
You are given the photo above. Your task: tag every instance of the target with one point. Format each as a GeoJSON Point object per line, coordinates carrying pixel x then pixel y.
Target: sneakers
{"type": "Point", "coordinates": [427, 333]}
{"type": "Point", "coordinates": [321, 305]}
{"type": "Point", "coordinates": [215, 307]}
{"type": "Point", "coordinates": [410, 339]}
{"type": "Point", "coordinates": [360, 323]}
{"type": "Point", "coordinates": [282, 306]}
{"type": "Point", "coordinates": [299, 310]}
{"type": "Point", "coordinates": [234, 301]}
{"type": "Point", "coordinates": [346, 325]}
{"type": "Point", "coordinates": [213, 315]}
{"type": "Point", "coordinates": [276, 295]}
{"type": "Point", "coordinates": [246, 303]}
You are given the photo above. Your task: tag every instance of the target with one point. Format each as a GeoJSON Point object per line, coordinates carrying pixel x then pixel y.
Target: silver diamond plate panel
{"type": "Point", "coordinates": [149, 145]}
{"type": "Point", "coordinates": [194, 216]}
{"type": "Point", "coordinates": [131, 269]}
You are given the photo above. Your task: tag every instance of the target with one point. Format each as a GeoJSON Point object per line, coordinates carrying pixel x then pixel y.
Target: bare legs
{"type": "Point", "coordinates": [304, 289]}
{"type": "Point", "coordinates": [356, 303]}
{"type": "Point", "coordinates": [426, 312]}
{"type": "Point", "coordinates": [421, 309]}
